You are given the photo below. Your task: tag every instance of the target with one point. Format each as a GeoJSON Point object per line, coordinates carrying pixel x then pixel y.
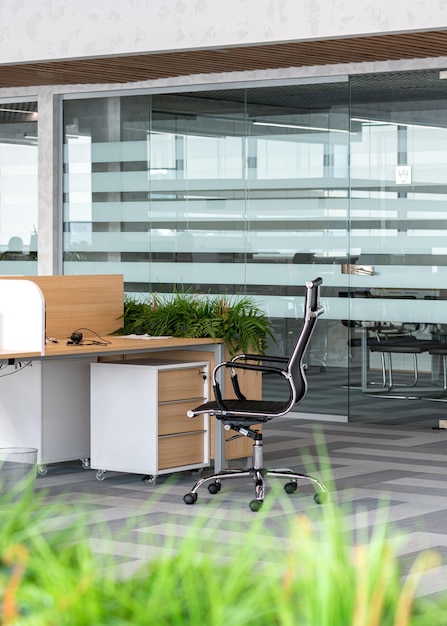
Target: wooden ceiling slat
{"type": "Point", "coordinates": [162, 65]}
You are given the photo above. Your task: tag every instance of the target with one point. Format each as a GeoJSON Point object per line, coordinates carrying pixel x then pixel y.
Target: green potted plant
{"type": "Point", "coordinates": [238, 321]}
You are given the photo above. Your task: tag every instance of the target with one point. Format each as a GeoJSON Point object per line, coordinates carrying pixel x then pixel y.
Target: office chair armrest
{"type": "Point", "coordinates": [258, 357]}
{"type": "Point", "coordinates": [247, 366]}
{"type": "Point", "coordinates": [234, 379]}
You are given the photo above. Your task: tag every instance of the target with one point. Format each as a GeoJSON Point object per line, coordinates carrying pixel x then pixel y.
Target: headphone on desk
{"type": "Point", "coordinates": [77, 339]}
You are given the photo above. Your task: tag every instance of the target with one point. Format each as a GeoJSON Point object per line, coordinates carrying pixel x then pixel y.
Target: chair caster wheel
{"type": "Point", "coordinates": [214, 488]}
{"type": "Point", "coordinates": [320, 498]}
{"type": "Point", "coordinates": [190, 498]}
{"type": "Point", "coordinates": [290, 487]}
{"type": "Point", "coordinates": [255, 505]}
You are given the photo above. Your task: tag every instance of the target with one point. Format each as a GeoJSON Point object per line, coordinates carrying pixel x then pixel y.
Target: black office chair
{"type": "Point", "coordinates": [399, 339]}
{"type": "Point", "coordinates": [242, 414]}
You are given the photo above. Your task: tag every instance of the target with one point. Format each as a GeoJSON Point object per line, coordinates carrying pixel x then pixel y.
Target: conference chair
{"type": "Point", "coordinates": [399, 339]}
{"type": "Point", "coordinates": [242, 415]}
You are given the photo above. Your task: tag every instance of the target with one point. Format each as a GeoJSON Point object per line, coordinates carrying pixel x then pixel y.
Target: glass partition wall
{"type": "Point", "coordinates": [224, 191]}
{"type": "Point", "coordinates": [256, 190]}
{"type": "Point", "coordinates": [398, 225]}
{"type": "Point", "coordinates": [18, 188]}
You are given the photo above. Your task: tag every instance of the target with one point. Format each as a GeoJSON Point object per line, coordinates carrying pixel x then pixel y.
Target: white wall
{"type": "Point", "coordinates": [62, 29]}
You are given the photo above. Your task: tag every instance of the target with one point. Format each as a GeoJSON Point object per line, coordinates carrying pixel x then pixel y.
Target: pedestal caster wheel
{"type": "Point", "coordinates": [190, 498]}
{"type": "Point", "coordinates": [43, 470]}
{"type": "Point", "coordinates": [320, 498]}
{"type": "Point", "coordinates": [150, 479]}
{"type": "Point", "coordinates": [214, 487]}
{"type": "Point", "coordinates": [101, 474]}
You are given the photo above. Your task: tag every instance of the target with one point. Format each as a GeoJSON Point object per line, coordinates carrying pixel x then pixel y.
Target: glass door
{"type": "Point", "coordinates": [396, 281]}
{"type": "Point", "coordinates": [297, 226]}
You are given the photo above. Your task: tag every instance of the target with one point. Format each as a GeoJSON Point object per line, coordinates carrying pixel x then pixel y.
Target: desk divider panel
{"type": "Point", "coordinates": [92, 301]}
{"type": "Point", "coordinates": [22, 316]}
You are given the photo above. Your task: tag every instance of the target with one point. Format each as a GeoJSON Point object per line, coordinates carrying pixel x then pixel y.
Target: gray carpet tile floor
{"type": "Point", "coordinates": [370, 468]}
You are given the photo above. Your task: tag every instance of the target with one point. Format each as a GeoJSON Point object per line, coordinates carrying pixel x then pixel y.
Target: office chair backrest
{"type": "Point", "coordinates": [312, 310]}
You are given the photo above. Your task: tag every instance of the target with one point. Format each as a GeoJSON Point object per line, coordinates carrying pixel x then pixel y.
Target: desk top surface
{"type": "Point", "coordinates": [117, 345]}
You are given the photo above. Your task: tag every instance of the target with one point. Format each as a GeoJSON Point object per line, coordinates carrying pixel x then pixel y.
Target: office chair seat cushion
{"type": "Point", "coordinates": [261, 410]}
{"type": "Point", "coordinates": [401, 347]}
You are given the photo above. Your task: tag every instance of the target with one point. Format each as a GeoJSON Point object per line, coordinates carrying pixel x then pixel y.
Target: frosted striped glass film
{"type": "Point", "coordinates": [211, 190]}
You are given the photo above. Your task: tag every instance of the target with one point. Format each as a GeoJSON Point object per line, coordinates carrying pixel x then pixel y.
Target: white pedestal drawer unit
{"type": "Point", "coordinates": [138, 417]}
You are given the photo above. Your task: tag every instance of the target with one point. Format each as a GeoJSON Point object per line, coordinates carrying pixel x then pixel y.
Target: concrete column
{"type": "Point", "coordinates": [49, 183]}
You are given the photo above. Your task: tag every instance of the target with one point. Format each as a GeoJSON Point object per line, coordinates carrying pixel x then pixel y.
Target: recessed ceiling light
{"type": "Point", "coordinates": [16, 110]}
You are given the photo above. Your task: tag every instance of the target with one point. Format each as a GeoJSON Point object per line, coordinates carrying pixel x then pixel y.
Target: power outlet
{"type": "Point", "coordinates": [443, 424]}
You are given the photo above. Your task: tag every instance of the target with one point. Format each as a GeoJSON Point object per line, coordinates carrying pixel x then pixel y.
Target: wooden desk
{"type": "Point", "coordinates": [45, 399]}
{"type": "Point", "coordinates": [121, 346]}
{"type": "Point", "coordinates": [45, 396]}
{"type": "Point", "coordinates": [6, 355]}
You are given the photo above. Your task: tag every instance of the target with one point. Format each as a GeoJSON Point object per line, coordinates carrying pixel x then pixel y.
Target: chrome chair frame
{"type": "Point", "coordinates": [242, 415]}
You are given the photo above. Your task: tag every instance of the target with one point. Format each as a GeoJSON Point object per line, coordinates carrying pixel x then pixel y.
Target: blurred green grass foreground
{"type": "Point", "coordinates": [321, 575]}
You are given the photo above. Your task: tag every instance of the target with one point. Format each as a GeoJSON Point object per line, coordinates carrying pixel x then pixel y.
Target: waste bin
{"type": "Point", "coordinates": [17, 473]}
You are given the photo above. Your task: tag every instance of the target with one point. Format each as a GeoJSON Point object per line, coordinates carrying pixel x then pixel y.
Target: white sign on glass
{"type": "Point", "coordinates": [403, 174]}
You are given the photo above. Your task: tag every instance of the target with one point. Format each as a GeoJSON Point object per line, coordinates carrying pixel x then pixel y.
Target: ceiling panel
{"type": "Point", "coordinates": [143, 67]}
